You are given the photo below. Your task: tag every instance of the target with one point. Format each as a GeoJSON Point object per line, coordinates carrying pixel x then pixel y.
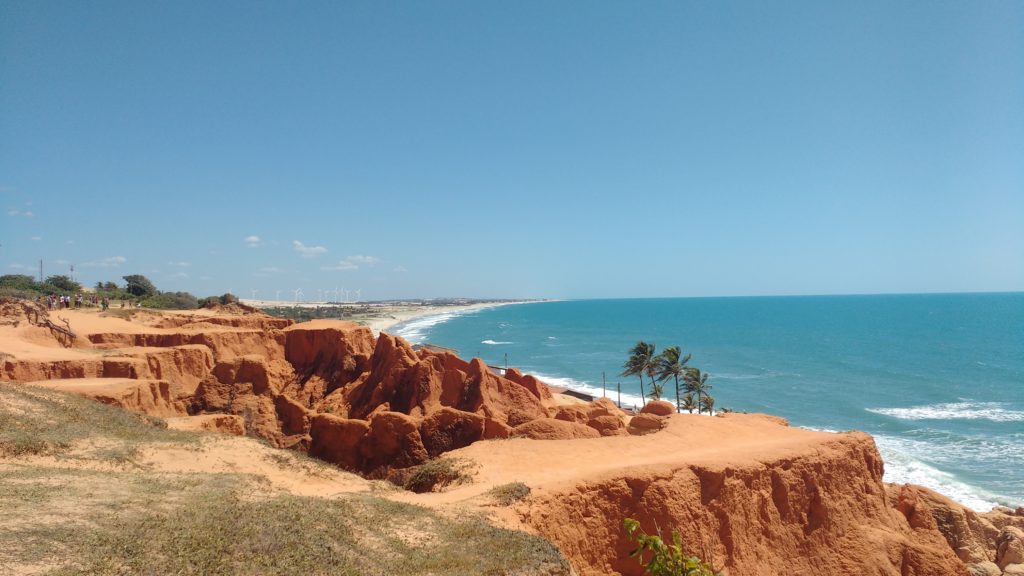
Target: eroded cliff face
{"type": "Point", "coordinates": [822, 512]}
{"type": "Point", "coordinates": [368, 404]}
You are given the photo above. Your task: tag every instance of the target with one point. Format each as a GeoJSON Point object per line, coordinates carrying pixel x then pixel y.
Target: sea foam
{"type": "Point", "coordinates": [903, 465]}
{"type": "Point", "coordinates": [993, 411]}
{"type": "Point", "coordinates": [415, 330]}
{"type": "Point", "coordinates": [628, 400]}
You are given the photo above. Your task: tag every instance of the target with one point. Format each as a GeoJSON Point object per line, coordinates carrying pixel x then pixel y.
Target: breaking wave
{"type": "Point", "coordinates": [993, 411]}
{"type": "Point", "coordinates": [904, 465]}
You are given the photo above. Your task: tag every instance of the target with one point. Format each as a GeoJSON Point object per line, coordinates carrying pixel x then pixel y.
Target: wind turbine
{"type": "Point", "coordinates": [298, 294]}
{"type": "Point", "coordinates": [277, 295]}
{"type": "Point", "coordinates": [254, 291]}
{"type": "Point", "coordinates": [319, 295]}
{"type": "Point", "coordinates": [358, 292]}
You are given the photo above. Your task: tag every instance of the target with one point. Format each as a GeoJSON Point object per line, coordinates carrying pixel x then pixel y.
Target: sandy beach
{"type": "Point", "coordinates": [381, 316]}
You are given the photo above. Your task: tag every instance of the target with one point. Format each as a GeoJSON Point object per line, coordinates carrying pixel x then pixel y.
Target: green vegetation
{"type": "Point", "coordinates": [37, 421]}
{"type": "Point", "coordinates": [436, 474]}
{"type": "Point", "coordinates": [697, 383]}
{"type": "Point", "coordinates": [671, 363]}
{"type": "Point", "coordinates": [137, 289]}
{"type": "Point", "coordinates": [640, 362]}
{"type": "Point", "coordinates": [78, 511]}
{"type": "Point", "coordinates": [508, 494]}
{"type": "Point", "coordinates": [665, 559]}
{"type": "Point", "coordinates": [303, 314]}
{"type": "Point", "coordinates": [139, 286]}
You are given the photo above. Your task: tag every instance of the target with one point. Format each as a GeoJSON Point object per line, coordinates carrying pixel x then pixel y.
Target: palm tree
{"type": "Point", "coordinates": [708, 403]}
{"type": "Point", "coordinates": [697, 383]}
{"type": "Point", "coordinates": [656, 390]}
{"type": "Point", "coordinates": [640, 358]}
{"type": "Point", "coordinates": [688, 403]}
{"type": "Point", "coordinates": [672, 363]}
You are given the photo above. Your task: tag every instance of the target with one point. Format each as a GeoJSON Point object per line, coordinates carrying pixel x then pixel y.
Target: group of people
{"type": "Point", "coordinates": [55, 302]}
{"type": "Point", "coordinates": [61, 301]}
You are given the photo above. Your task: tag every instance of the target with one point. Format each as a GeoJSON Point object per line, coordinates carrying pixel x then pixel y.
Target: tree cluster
{"type": "Point", "coordinates": [137, 288]}
{"type": "Point", "coordinates": [693, 393]}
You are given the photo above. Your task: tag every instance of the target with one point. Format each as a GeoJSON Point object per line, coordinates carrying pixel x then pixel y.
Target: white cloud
{"type": "Point", "coordinates": [363, 260]}
{"type": "Point", "coordinates": [61, 262]}
{"type": "Point", "coordinates": [179, 264]}
{"type": "Point", "coordinates": [354, 263]}
{"type": "Point", "coordinates": [13, 212]}
{"type": "Point", "coordinates": [112, 262]}
{"type": "Point", "coordinates": [17, 266]}
{"type": "Point", "coordinates": [16, 212]}
{"type": "Point", "coordinates": [401, 269]}
{"type": "Point", "coordinates": [28, 214]}
{"type": "Point", "coordinates": [252, 241]}
{"type": "Point", "coordinates": [37, 238]}
{"type": "Point", "coordinates": [179, 275]}
{"type": "Point", "coordinates": [308, 251]}
{"type": "Point", "coordinates": [341, 266]}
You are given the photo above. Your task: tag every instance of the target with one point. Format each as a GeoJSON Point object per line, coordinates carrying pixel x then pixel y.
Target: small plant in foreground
{"type": "Point", "coordinates": [666, 559]}
{"type": "Point", "coordinates": [436, 474]}
{"type": "Point", "coordinates": [508, 494]}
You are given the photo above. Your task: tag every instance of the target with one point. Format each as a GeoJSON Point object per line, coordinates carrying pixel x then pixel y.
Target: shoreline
{"type": "Point", "coordinates": [406, 314]}
{"type": "Point", "coordinates": [383, 316]}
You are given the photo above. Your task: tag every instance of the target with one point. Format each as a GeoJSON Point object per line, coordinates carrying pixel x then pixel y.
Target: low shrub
{"type": "Point", "coordinates": [508, 494]}
{"type": "Point", "coordinates": [437, 474]}
{"type": "Point", "coordinates": [665, 559]}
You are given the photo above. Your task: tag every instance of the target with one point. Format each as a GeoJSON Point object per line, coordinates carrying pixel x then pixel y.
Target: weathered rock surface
{"type": "Point", "coordinates": [1009, 547]}
{"type": "Point", "coordinates": [224, 423]}
{"type": "Point", "coordinates": [642, 424]}
{"type": "Point", "coordinates": [751, 505]}
{"type": "Point", "coordinates": [658, 408]}
{"type": "Point", "coordinates": [552, 429]}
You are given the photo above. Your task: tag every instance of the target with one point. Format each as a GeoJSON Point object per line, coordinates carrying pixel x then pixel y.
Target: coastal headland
{"type": "Point", "coordinates": [750, 494]}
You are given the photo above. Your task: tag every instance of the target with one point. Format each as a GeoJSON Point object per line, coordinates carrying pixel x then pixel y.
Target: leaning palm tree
{"type": "Point", "coordinates": [708, 403]}
{"type": "Point", "coordinates": [657, 388]}
{"type": "Point", "coordinates": [689, 403]}
{"type": "Point", "coordinates": [697, 383]}
{"type": "Point", "coordinates": [638, 364]}
{"type": "Point", "coordinates": [672, 363]}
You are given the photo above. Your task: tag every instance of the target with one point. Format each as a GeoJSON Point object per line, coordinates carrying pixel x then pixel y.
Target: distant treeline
{"type": "Point", "coordinates": [136, 290]}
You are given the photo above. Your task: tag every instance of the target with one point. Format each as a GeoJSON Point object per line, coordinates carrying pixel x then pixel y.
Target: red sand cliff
{"type": "Point", "coordinates": [750, 494]}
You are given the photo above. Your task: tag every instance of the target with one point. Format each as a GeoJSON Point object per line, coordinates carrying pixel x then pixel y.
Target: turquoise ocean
{"type": "Point", "coordinates": [938, 380]}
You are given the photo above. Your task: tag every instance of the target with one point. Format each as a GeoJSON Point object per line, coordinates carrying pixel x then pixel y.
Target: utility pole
{"type": "Point", "coordinates": [604, 385]}
{"type": "Point", "coordinates": [40, 271]}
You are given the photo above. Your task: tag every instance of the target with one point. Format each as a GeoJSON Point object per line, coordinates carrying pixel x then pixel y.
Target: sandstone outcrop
{"type": "Point", "coordinates": [658, 408]}
{"type": "Point", "coordinates": [648, 423]}
{"type": "Point", "coordinates": [746, 503]}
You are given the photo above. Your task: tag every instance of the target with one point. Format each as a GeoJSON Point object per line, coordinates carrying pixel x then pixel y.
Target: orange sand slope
{"type": "Point", "coordinates": [749, 493]}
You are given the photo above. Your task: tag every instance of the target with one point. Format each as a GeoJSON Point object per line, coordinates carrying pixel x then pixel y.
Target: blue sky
{"type": "Point", "coordinates": [516, 149]}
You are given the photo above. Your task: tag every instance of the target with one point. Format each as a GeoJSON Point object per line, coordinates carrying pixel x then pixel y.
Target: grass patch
{"type": "Point", "coordinates": [436, 474]}
{"type": "Point", "coordinates": [72, 516]}
{"type": "Point", "coordinates": [37, 421]}
{"type": "Point", "coordinates": [223, 525]}
{"type": "Point", "coordinates": [508, 494]}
